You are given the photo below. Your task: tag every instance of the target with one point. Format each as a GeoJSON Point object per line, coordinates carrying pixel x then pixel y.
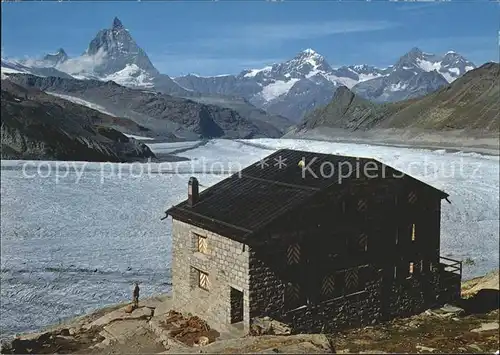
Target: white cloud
{"type": "Point", "coordinates": [83, 64]}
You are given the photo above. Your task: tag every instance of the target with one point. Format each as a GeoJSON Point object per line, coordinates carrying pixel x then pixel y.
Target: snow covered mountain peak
{"type": "Point", "coordinates": [120, 50]}
{"type": "Point", "coordinates": [309, 51]}
{"type": "Point", "coordinates": [117, 24]}
{"type": "Point", "coordinates": [305, 64]}
{"type": "Point", "coordinates": [450, 66]}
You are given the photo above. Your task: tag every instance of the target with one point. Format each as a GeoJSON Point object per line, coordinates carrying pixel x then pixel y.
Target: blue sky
{"type": "Point", "coordinates": [210, 38]}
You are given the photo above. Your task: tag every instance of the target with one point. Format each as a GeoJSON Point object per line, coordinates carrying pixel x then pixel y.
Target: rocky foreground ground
{"type": "Point", "coordinates": [472, 326]}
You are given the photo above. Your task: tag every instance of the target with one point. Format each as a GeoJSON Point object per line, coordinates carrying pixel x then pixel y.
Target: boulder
{"type": "Point", "coordinates": [268, 326]}
{"type": "Point", "coordinates": [485, 327]}
{"type": "Point", "coordinates": [202, 341]}
{"type": "Point", "coordinates": [447, 311]}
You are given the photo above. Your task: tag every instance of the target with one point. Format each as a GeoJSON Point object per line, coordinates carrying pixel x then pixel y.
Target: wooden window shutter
{"type": "Point", "coordinates": [351, 279]}
{"type": "Point", "coordinates": [328, 286]}
{"type": "Point", "coordinates": [411, 269]}
{"type": "Point", "coordinates": [363, 242]}
{"type": "Point", "coordinates": [202, 244]}
{"type": "Point", "coordinates": [292, 296]}
{"type": "Point", "coordinates": [204, 282]}
{"type": "Point", "coordinates": [412, 197]}
{"type": "Point", "coordinates": [293, 254]}
{"type": "Point", "coordinates": [362, 205]}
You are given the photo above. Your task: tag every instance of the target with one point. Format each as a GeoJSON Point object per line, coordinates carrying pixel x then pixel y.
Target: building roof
{"type": "Point", "coordinates": [238, 206]}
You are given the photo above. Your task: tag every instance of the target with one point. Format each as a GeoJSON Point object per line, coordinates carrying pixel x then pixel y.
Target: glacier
{"type": "Point", "coordinates": [76, 238]}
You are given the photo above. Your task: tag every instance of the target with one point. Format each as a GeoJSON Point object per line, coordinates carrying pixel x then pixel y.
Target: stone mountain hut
{"type": "Point", "coordinates": [328, 243]}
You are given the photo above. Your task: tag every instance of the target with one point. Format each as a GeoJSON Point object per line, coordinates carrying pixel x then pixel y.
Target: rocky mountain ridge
{"type": "Point", "coordinates": [163, 116]}
{"type": "Point", "coordinates": [469, 103]}
{"type": "Point", "coordinates": [35, 125]}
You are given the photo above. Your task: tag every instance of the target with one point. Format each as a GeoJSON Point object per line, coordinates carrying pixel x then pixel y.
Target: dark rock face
{"type": "Point", "coordinates": [160, 113]}
{"type": "Point", "coordinates": [38, 126]}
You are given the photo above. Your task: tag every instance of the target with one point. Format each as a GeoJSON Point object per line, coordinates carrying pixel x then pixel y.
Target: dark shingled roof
{"type": "Point", "coordinates": [243, 203]}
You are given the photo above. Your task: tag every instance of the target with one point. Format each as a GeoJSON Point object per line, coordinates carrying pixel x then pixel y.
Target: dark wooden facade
{"type": "Point", "coordinates": [340, 254]}
{"type": "Point", "coordinates": [367, 237]}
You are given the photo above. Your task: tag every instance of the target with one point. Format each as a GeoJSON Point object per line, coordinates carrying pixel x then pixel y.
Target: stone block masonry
{"type": "Point", "coordinates": [224, 264]}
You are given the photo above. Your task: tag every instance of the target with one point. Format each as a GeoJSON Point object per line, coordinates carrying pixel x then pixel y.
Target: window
{"type": "Point", "coordinates": [413, 232]}
{"type": "Point", "coordinates": [362, 205]}
{"type": "Point", "coordinates": [357, 243]}
{"type": "Point", "coordinates": [203, 281]}
{"type": "Point", "coordinates": [395, 272]}
{"type": "Point", "coordinates": [293, 254]}
{"type": "Point", "coordinates": [352, 280]}
{"type": "Point", "coordinates": [397, 235]}
{"type": "Point", "coordinates": [328, 286]}
{"type": "Point", "coordinates": [412, 197]}
{"type": "Point", "coordinates": [363, 242]}
{"type": "Point", "coordinates": [411, 269]}
{"type": "Point", "coordinates": [202, 244]}
{"type": "Point", "coordinates": [294, 297]}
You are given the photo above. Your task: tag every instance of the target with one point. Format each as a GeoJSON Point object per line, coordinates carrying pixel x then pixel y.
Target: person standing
{"type": "Point", "coordinates": [135, 295]}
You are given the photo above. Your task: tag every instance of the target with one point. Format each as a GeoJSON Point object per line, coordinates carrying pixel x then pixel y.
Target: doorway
{"type": "Point", "coordinates": [236, 297]}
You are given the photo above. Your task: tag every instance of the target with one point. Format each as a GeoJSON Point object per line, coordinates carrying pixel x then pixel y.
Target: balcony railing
{"type": "Point", "coordinates": [451, 265]}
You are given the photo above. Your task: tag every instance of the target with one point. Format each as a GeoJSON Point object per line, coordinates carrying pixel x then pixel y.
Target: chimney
{"type": "Point", "coordinates": [193, 191]}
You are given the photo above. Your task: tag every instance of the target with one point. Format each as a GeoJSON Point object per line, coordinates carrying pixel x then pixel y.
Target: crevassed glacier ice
{"type": "Point", "coordinates": [77, 240]}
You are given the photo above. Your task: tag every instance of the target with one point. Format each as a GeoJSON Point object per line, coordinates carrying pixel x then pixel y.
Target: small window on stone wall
{"type": "Point", "coordinates": [202, 244]}
{"type": "Point", "coordinates": [203, 281]}
{"type": "Point", "coordinates": [413, 232]}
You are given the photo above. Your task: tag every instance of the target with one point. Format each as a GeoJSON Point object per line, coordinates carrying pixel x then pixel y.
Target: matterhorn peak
{"type": "Point", "coordinates": [117, 24]}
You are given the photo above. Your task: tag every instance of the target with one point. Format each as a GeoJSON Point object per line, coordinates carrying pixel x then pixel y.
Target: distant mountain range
{"type": "Point", "coordinates": [271, 94]}
{"type": "Point", "coordinates": [307, 81]}
{"type": "Point", "coordinates": [469, 104]}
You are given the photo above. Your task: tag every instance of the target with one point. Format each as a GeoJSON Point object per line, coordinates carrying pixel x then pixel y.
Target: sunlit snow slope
{"type": "Point", "coordinates": [77, 242]}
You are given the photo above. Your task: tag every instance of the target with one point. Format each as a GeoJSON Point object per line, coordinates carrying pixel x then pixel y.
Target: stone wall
{"type": "Point", "coordinates": [377, 302]}
{"type": "Point", "coordinates": [226, 264]}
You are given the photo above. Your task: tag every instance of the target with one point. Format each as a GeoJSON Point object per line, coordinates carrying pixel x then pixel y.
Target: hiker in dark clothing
{"type": "Point", "coordinates": [135, 295]}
